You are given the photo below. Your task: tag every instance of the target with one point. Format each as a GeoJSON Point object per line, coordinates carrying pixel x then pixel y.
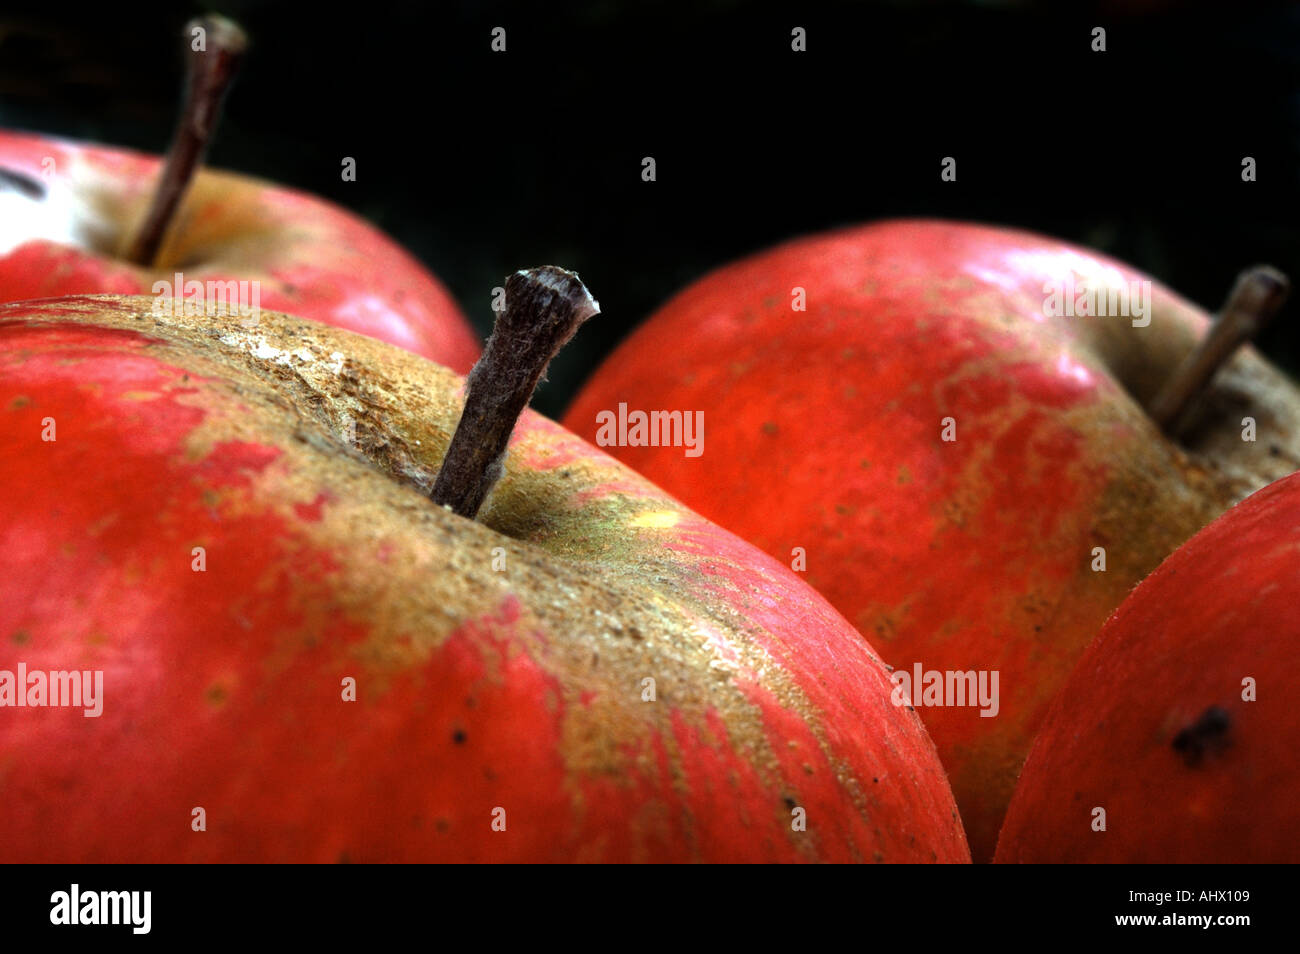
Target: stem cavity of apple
{"type": "Point", "coordinates": [210, 72]}
{"type": "Point", "coordinates": [543, 308]}
{"type": "Point", "coordinates": [1257, 296]}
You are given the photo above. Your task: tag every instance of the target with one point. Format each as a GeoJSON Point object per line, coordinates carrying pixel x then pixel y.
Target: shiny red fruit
{"type": "Point", "coordinates": [588, 672]}
{"type": "Point", "coordinates": [893, 407]}
{"type": "Point", "coordinates": [1180, 722]}
{"type": "Point", "coordinates": [308, 256]}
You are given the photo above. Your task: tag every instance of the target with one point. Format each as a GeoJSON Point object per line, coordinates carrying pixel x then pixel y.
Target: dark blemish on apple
{"type": "Point", "coordinates": [770, 428]}
{"type": "Point", "coordinates": [875, 781]}
{"type": "Point", "coordinates": [289, 288]}
{"type": "Point", "coordinates": [22, 637]}
{"type": "Point", "coordinates": [789, 802]}
{"type": "Point", "coordinates": [29, 186]}
{"type": "Point", "coordinates": [216, 695]}
{"type": "Point", "coordinates": [1207, 735]}
{"type": "Point", "coordinates": [458, 737]}
{"type": "Point", "coordinates": [343, 858]}
{"type": "Point", "coordinates": [442, 825]}
{"type": "Point", "coordinates": [1274, 450]}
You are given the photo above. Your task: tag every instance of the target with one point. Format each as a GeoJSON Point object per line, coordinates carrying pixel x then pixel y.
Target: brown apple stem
{"type": "Point", "coordinates": [543, 308]}
{"type": "Point", "coordinates": [29, 186]}
{"type": "Point", "coordinates": [1255, 299]}
{"type": "Point", "coordinates": [210, 72]}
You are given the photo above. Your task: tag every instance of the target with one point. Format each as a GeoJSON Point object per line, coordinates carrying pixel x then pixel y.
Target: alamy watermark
{"type": "Point", "coordinates": [651, 429]}
{"type": "Point", "coordinates": [128, 908]}
{"type": "Point", "coordinates": [193, 297]}
{"type": "Point", "coordinates": [1112, 300]}
{"type": "Point", "coordinates": [55, 688]}
{"type": "Point", "coordinates": [935, 688]}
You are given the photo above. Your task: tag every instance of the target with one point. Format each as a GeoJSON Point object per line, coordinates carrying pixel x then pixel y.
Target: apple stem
{"type": "Point", "coordinates": [543, 308]}
{"type": "Point", "coordinates": [1254, 300]}
{"type": "Point", "coordinates": [30, 187]}
{"type": "Point", "coordinates": [210, 71]}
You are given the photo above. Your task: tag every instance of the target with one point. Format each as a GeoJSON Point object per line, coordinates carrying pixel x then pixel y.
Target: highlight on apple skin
{"type": "Point", "coordinates": [67, 231]}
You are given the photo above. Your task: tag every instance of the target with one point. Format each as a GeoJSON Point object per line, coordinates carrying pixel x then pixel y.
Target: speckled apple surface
{"type": "Point", "coordinates": [823, 429]}
{"type": "Point", "coordinates": [297, 457]}
{"type": "Point", "coordinates": [310, 257]}
{"type": "Point", "coordinates": [1159, 726]}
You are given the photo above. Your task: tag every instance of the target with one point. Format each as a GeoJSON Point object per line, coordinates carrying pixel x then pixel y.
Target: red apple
{"type": "Point", "coordinates": [309, 257]}
{"type": "Point", "coordinates": [73, 218]}
{"type": "Point", "coordinates": [589, 664]}
{"type": "Point", "coordinates": [825, 430]}
{"type": "Point", "coordinates": [1180, 723]}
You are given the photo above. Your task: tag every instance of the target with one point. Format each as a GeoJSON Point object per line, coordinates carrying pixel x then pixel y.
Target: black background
{"type": "Point", "coordinates": [482, 162]}
{"type": "Point", "coordinates": [918, 907]}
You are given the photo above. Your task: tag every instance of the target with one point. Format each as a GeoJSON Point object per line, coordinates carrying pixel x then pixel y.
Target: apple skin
{"type": "Point", "coordinates": [311, 257]}
{"type": "Point", "coordinates": [476, 688]}
{"type": "Point", "coordinates": [1127, 732]}
{"type": "Point", "coordinates": [823, 430]}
